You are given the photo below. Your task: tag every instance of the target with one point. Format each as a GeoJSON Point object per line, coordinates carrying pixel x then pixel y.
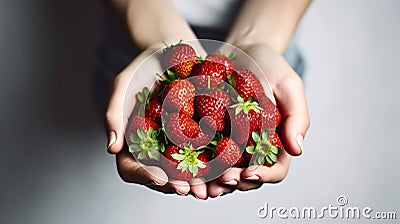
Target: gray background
{"type": "Point", "coordinates": [54, 167]}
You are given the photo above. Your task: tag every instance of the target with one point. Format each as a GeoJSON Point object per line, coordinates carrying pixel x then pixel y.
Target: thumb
{"type": "Point", "coordinates": [114, 117]}
{"type": "Point", "coordinates": [295, 120]}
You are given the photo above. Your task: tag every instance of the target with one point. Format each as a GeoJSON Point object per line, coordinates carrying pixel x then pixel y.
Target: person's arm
{"type": "Point", "coordinates": [263, 30]}
{"type": "Point", "coordinates": [148, 23]}
{"type": "Point", "coordinates": [267, 22]}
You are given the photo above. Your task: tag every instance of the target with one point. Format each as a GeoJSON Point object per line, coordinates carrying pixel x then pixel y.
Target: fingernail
{"type": "Point", "coordinates": [231, 182]}
{"type": "Point", "coordinates": [155, 183]}
{"type": "Point", "coordinates": [178, 192]}
{"type": "Point", "coordinates": [254, 177]}
{"type": "Point", "coordinates": [111, 138]}
{"type": "Point", "coordinates": [201, 199]}
{"type": "Point", "coordinates": [300, 141]}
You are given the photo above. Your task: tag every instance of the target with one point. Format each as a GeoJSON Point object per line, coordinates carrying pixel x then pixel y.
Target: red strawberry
{"type": "Point", "coordinates": [179, 97]}
{"type": "Point", "coordinates": [246, 84]}
{"type": "Point", "coordinates": [153, 109]}
{"type": "Point", "coordinates": [206, 157]}
{"type": "Point", "coordinates": [271, 116]}
{"type": "Point", "coordinates": [222, 59]}
{"type": "Point", "coordinates": [141, 122]}
{"type": "Point", "coordinates": [227, 152]}
{"type": "Point", "coordinates": [245, 117]}
{"type": "Point", "coordinates": [181, 129]}
{"type": "Point", "coordinates": [185, 163]}
{"type": "Point", "coordinates": [214, 105]}
{"type": "Point", "coordinates": [180, 58]}
{"type": "Point", "coordinates": [203, 138]}
{"type": "Point", "coordinates": [143, 134]}
{"type": "Point", "coordinates": [265, 148]}
{"type": "Point", "coordinates": [249, 143]}
{"type": "Point", "coordinates": [208, 74]}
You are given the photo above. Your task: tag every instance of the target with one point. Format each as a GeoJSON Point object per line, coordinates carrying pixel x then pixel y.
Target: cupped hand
{"type": "Point", "coordinates": [140, 73]}
{"type": "Point", "coordinates": [288, 90]}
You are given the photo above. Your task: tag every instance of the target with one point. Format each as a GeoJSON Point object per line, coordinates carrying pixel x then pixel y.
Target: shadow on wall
{"type": "Point", "coordinates": [65, 37]}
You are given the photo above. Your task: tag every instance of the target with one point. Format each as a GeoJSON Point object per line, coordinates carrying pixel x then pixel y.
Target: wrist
{"type": "Point", "coordinates": [247, 41]}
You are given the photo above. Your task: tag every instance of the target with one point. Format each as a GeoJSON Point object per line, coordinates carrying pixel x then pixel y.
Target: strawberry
{"type": "Point", "coordinates": [220, 58]}
{"type": "Point", "coordinates": [185, 163]}
{"type": "Point", "coordinates": [181, 129]}
{"type": "Point", "coordinates": [180, 58]}
{"type": "Point", "coordinates": [153, 109]}
{"type": "Point", "coordinates": [227, 152]}
{"type": "Point", "coordinates": [150, 105]}
{"type": "Point", "coordinates": [246, 84]}
{"type": "Point", "coordinates": [143, 134]}
{"type": "Point", "coordinates": [271, 116]}
{"type": "Point", "coordinates": [265, 148]}
{"type": "Point", "coordinates": [250, 142]}
{"type": "Point", "coordinates": [245, 117]}
{"type": "Point", "coordinates": [203, 138]}
{"type": "Point", "coordinates": [143, 123]}
{"type": "Point", "coordinates": [214, 105]}
{"type": "Point", "coordinates": [178, 94]}
{"type": "Point", "coordinates": [208, 74]}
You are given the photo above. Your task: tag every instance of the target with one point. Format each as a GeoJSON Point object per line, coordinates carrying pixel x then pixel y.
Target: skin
{"type": "Point", "coordinates": [263, 29]}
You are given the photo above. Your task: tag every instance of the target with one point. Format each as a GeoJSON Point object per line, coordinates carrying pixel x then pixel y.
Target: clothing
{"type": "Point", "coordinates": [220, 13]}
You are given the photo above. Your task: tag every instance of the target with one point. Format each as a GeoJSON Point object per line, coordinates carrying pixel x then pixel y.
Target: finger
{"type": "Point", "coordinates": [134, 172]}
{"type": "Point", "coordinates": [215, 189]}
{"type": "Point", "coordinates": [245, 185]}
{"type": "Point", "coordinates": [231, 177]}
{"type": "Point", "coordinates": [264, 174]}
{"type": "Point", "coordinates": [292, 103]}
{"type": "Point", "coordinates": [138, 74]}
{"type": "Point", "coordinates": [179, 187]}
{"type": "Point", "coordinates": [198, 188]}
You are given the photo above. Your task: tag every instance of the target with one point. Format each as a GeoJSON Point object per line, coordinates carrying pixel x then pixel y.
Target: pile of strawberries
{"type": "Point", "coordinates": [203, 117]}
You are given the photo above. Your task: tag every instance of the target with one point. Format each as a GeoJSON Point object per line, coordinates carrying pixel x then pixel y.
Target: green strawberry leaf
{"type": "Point", "coordinates": [250, 149]}
{"type": "Point", "coordinates": [273, 157]}
{"type": "Point", "coordinates": [140, 97]}
{"type": "Point", "coordinates": [134, 138]}
{"type": "Point", "coordinates": [275, 150]}
{"type": "Point", "coordinates": [162, 147]}
{"type": "Point", "coordinates": [194, 170]}
{"type": "Point", "coordinates": [265, 135]}
{"type": "Point", "coordinates": [231, 56]}
{"type": "Point", "coordinates": [260, 160]}
{"type": "Point", "coordinates": [142, 155]}
{"type": "Point", "coordinates": [182, 166]}
{"type": "Point", "coordinates": [201, 164]}
{"type": "Point", "coordinates": [178, 157]}
{"type": "Point", "coordinates": [146, 92]}
{"type": "Point", "coordinates": [268, 159]}
{"type": "Point", "coordinates": [132, 148]}
{"type": "Point", "coordinates": [141, 133]}
{"type": "Point", "coordinates": [255, 136]}
{"type": "Point", "coordinates": [154, 155]}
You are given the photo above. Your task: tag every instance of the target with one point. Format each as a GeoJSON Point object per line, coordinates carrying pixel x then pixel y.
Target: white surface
{"type": "Point", "coordinates": [54, 168]}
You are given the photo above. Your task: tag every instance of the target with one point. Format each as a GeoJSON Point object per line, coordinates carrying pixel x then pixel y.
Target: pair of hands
{"type": "Point", "coordinates": [288, 91]}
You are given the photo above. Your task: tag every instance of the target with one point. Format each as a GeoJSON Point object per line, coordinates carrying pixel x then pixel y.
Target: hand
{"type": "Point", "coordinates": [138, 74]}
{"type": "Point", "coordinates": [288, 91]}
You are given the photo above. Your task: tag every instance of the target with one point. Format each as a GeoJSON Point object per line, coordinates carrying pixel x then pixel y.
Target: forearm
{"type": "Point", "coordinates": [267, 22]}
{"type": "Point", "coordinates": [149, 22]}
